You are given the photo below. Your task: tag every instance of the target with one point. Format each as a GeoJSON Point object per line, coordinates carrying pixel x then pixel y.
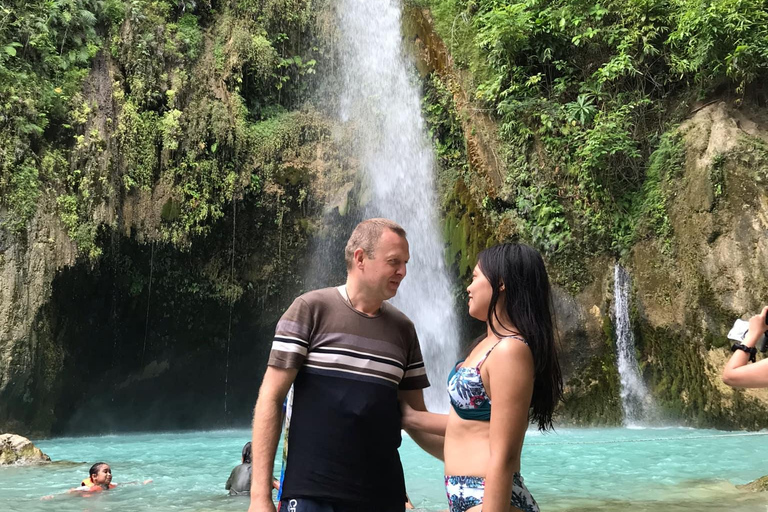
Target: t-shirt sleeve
{"type": "Point", "coordinates": [415, 373]}
{"type": "Point", "coordinates": [291, 342]}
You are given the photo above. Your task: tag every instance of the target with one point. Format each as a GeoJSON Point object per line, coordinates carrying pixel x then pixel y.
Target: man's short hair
{"type": "Point", "coordinates": [366, 235]}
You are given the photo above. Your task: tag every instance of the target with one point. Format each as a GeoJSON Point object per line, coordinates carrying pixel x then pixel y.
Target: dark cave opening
{"type": "Point", "coordinates": [158, 338]}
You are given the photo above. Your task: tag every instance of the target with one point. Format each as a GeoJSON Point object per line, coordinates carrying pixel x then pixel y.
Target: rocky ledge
{"type": "Point", "coordinates": [19, 450]}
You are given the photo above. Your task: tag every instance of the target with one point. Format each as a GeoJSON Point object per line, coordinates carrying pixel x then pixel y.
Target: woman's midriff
{"type": "Point", "coordinates": [467, 447]}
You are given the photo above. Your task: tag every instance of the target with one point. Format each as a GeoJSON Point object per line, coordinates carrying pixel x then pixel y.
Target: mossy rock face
{"type": "Point", "coordinates": [592, 397]}
{"type": "Point", "coordinates": [593, 390]}
{"type": "Point", "coordinates": [465, 230]}
{"type": "Point", "coordinates": [680, 379]}
{"type": "Point", "coordinates": [689, 292]}
{"type": "Point", "coordinates": [184, 130]}
{"type": "Point", "coordinates": [19, 450]}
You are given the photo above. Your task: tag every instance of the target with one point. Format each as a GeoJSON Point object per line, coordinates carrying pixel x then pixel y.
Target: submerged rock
{"type": "Point", "coordinates": [759, 485]}
{"type": "Point", "coordinates": [16, 449]}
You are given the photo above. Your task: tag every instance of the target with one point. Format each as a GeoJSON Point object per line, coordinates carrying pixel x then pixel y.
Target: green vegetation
{"type": "Point", "coordinates": [46, 49]}
{"type": "Point", "coordinates": [464, 224]}
{"type": "Point", "coordinates": [582, 93]}
{"type": "Point", "coordinates": [665, 166]}
{"type": "Point", "coordinates": [102, 100]}
{"type": "Point", "coordinates": [446, 133]}
{"type": "Point", "coordinates": [588, 98]}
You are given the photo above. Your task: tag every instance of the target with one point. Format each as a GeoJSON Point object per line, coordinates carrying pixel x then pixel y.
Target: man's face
{"type": "Point", "coordinates": [103, 475]}
{"type": "Point", "coordinates": [384, 272]}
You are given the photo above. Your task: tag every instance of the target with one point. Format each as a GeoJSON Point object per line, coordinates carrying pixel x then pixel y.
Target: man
{"type": "Point", "coordinates": [350, 356]}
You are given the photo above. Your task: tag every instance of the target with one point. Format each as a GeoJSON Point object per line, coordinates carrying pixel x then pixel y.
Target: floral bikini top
{"type": "Point", "coordinates": [467, 392]}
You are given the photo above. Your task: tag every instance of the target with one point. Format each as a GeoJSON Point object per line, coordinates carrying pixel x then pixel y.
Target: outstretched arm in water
{"type": "Point", "coordinates": [737, 372]}
{"type": "Point", "coordinates": [426, 428]}
{"type": "Point", "coordinates": [267, 417]}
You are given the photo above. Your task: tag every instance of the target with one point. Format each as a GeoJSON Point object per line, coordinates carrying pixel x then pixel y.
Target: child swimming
{"type": "Point", "coordinates": [99, 479]}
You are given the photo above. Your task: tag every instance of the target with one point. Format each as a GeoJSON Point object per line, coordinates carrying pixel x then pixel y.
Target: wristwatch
{"type": "Point", "coordinates": [749, 350]}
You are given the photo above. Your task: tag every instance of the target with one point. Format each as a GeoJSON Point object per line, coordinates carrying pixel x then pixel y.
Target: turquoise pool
{"type": "Point", "coordinates": [670, 469]}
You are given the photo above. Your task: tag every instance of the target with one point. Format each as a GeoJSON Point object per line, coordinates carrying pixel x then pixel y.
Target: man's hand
{"type": "Point", "coordinates": [757, 327]}
{"type": "Point", "coordinates": [262, 505]}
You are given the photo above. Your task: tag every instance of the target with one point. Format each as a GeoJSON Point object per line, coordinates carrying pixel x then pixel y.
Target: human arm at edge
{"type": "Point", "coordinates": [737, 372]}
{"type": "Point", "coordinates": [510, 376]}
{"type": "Point", "coordinates": [267, 417]}
{"type": "Point", "coordinates": [429, 442]}
{"type": "Point", "coordinates": [423, 421]}
{"type": "Point", "coordinates": [228, 485]}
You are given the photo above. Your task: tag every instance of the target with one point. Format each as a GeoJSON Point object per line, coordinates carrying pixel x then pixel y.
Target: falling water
{"type": "Point", "coordinates": [379, 97]}
{"type": "Point", "coordinates": [635, 399]}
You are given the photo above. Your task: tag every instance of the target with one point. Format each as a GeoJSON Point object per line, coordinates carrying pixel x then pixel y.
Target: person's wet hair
{"type": "Point", "coordinates": [95, 468]}
{"type": "Point", "coordinates": [247, 453]}
{"type": "Point", "coordinates": [520, 268]}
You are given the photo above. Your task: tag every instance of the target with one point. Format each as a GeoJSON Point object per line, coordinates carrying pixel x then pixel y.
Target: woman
{"type": "Point", "coordinates": [239, 481]}
{"type": "Point", "coordinates": [515, 366]}
{"type": "Point", "coordinates": [737, 372]}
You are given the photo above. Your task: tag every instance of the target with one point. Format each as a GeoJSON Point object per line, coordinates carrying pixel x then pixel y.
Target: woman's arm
{"type": "Point", "coordinates": [737, 372]}
{"type": "Point", "coordinates": [228, 485]}
{"type": "Point", "coordinates": [510, 385]}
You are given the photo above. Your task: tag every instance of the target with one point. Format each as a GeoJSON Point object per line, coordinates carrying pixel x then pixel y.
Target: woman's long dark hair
{"type": "Point", "coordinates": [520, 268]}
{"type": "Point", "coordinates": [247, 453]}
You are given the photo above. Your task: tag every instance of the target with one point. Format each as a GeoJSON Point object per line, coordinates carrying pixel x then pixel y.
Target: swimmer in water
{"type": "Point", "coordinates": [239, 481]}
{"type": "Point", "coordinates": [99, 479]}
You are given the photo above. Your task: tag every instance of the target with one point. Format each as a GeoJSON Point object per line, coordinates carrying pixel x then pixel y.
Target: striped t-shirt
{"type": "Point", "coordinates": [345, 426]}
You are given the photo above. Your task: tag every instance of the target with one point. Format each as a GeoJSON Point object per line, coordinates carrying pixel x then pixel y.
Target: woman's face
{"type": "Point", "coordinates": [480, 292]}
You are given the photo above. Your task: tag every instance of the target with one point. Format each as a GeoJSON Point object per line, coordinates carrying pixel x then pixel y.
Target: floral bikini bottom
{"type": "Point", "coordinates": [465, 492]}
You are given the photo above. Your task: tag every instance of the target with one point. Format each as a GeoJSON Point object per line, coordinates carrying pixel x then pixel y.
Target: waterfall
{"type": "Point", "coordinates": [636, 401]}
{"type": "Point", "coordinates": [379, 98]}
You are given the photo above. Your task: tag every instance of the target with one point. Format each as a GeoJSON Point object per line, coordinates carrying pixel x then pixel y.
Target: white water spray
{"type": "Point", "coordinates": [636, 401]}
{"type": "Point", "coordinates": [379, 96]}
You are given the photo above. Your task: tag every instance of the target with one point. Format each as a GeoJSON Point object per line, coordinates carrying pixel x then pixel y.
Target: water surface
{"type": "Point", "coordinates": [579, 470]}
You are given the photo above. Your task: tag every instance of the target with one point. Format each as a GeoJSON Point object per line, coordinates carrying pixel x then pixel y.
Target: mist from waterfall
{"type": "Point", "coordinates": [636, 401]}
{"type": "Point", "coordinates": [379, 99]}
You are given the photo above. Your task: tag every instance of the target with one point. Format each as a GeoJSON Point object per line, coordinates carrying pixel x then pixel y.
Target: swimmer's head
{"type": "Point", "coordinates": [247, 453]}
{"type": "Point", "coordinates": [101, 474]}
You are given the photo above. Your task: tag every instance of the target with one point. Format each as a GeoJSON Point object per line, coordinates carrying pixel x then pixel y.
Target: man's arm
{"type": "Point", "coordinates": [430, 443]}
{"type": "Point", "coordinates": [267, 417]}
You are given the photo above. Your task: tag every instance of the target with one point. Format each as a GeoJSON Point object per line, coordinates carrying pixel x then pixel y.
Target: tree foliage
{"type": "Point", "coordinates": [124, 94]}
{"type": "Point", "coordinates": [582, 93]}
